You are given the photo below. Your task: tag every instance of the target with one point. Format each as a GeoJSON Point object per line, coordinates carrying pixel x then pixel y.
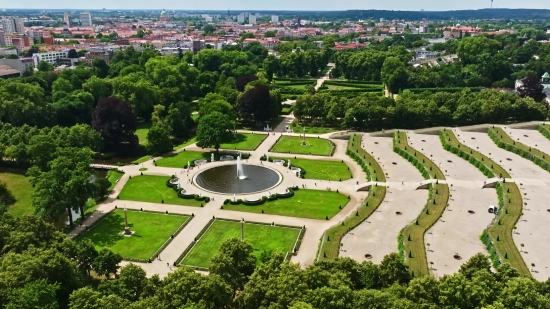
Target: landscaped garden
{"type": "Point", "coordinates": [364, 159]}
{"type": "Point", "coordinates": [21, 189]}
{"type": "Point", "coordinates": [427, 168]}
{"type": "Point", "coordinates": [321, 169]}
{"type": "Point", "coordinates": [151, 231]}
{"type": "Point", "coordinates": [245, 141]}
{"type": "Point", "coordinates": [293, 144]}
{"type": "Point", "coordinates": [114, 176]}
{"type": "Point", "coordinates": [313, 204]}
{"type": "Point", "coordinates": [153, 189]}
{"type": "Point", "coordinates": [182, 158]}
{"type": "Point", "coordinates": [299, 128]}
{"type": "Point", "coordinates": [263, 238]}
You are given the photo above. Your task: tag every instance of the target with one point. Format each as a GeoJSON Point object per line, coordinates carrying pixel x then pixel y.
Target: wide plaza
{"type": "Point", "coordinates": [330, 191]}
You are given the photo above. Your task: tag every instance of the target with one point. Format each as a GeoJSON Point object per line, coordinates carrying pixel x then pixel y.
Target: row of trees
{"type": "Point", "coordinates": [41, 268]}
{"type": "Point", "coordinates": [372, 112]}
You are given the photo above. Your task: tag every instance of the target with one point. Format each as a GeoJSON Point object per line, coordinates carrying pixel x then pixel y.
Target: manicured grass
{"type": "Point", "coordinates": [113, 176]}
{"type": "Point", "coordinates": [369, 164]}
{"type": "Point", "coordinates": [313, 130]}
{"type": "Point", "coordinates": [253, 126]}
{"type": "Point", "coordinates": [185, 143]}
{"type": "Point", "coordinates": [141, 132]}
{"type": "Point", "coordinates": [245, 141]}
{"type": "Point", "coordinates": [21, 189]}
{"type": "Point", "coordinates": [151, 231]}
{"type": "Point", "coordinates": [292, 144]}
{"type": "Point", "coordinates": [313, 204]}
{"type": "Point", "coordinates": [415, 250]}
{"type": "Point", "coordinates": [180, 159]}
{"type": "Point", "coordinates": [332, 238]}
{"type": "Point", "coordinates": [153, 189]}
{"type": "Point", "coordinates": [401, 146]}
{"type": "Point", "coordinates": [261, 237]}
{"type": "Point", "coordinates": [504, 141]}
{"type": "Point", "coordinates": [448, 137]}
{"type": "Point", "coordinates": [322, 170]}
{"type": "Point", "coordinates": [512, 205]}
{"type": "Point", "coordinates": [286, 109]}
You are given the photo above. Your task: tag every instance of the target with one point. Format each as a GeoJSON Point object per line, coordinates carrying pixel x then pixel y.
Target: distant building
{"type": "Point", "coordinates": [8, 51]}
{"type": "Point", "coordinates": [425, 54]}
{"type": "Point", "coordinates": [66, 20]}
{"type": "Point", "coordinates": [49, 57]}
{"type": "Point", "coordinates": [240, 18]}
{"type": "Point", "coordinates": [105, 54]}
{"type": "Point", "coordinates": [21, 65]}
{"type": "Point", "coordinates": [85, 19]}
{"type": "Point", "coordinates": [423, 29]}
{"type": "Point", "coordinates": [13, 25]}
{"type": "Point", "coordinates": [274, 19]}
{"type": "Point", "coordinates": [197, 46]}
{"type": "Point", "coordinates": [164, 16]}
{"type": "Point", "coordinates": [252, 19]}
{"type": "Point", "coordinates": [19, 41]}
{"type": "Point", "coordinates": [8, 72]}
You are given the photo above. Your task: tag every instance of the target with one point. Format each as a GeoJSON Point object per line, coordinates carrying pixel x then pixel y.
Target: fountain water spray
{"type": "Point", "coordinates": [240, 172]}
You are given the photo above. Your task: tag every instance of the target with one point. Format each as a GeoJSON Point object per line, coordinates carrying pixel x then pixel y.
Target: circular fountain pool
{"type": "Point", "coordinates": [225, 179]}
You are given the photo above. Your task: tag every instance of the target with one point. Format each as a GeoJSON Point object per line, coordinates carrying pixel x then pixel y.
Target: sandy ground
{"type": "Point", "coordinates": [532, 138]}
{"type": "Point", "coordinates": [458, 230]}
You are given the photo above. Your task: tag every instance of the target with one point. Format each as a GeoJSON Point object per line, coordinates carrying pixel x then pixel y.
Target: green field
{"type": "Point", "coordinates": [245, 141]}
{"type": "Point", "coordinates": [322, 170]}
{"type": "Point", "coordinates": [113, 176]}
{"type": "Point", "coordinates": [21, 189]}
{"type": "Point", "coordinates": [141, 132]}
{"type": "Point", "coordinates": [312, 129]}
{"type": "Point", "coordinates": [313, 204]}
{"type": "Point", "coordinates": [151, 231]}
{"type": "Point", "coordinates": [292, 144]}
{"type": "Point", "coordinates": [261, 237]}
{"type": "Point", "coordinates": [153, 189]}
{"type": "Point", "coordinates": [181, 159]}
{"type": "Point", "coordinates": [332, 238]}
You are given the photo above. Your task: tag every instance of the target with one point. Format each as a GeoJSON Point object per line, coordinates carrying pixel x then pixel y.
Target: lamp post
{"type": "Point", "coordinates": [242, 229]}
{"type": "Point", "coordinates": [304, 136]}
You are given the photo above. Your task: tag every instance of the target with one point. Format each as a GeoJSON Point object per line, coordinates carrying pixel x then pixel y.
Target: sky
{"type": "Point", "coordinates": [290, 5]}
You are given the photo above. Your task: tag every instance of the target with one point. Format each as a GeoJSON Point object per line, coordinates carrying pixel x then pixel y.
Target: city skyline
{"type": "Point", "coordinates": [310, 5]}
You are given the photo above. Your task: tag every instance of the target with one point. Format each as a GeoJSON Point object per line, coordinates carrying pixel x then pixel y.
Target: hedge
{"type": "Point", "coordinates": [262, 200]}
{"type": "Point", "coordinates": [355, 82]}
{"type": "Point", "coordinates": [406, 153]}
{"type": "Point", "coordinates": [449, 89]}
{"type": "Point", "coordinates": [178, 191]}
{"type": "Point", "coordinates": [466, 156]}
{"type": "Point", "coordinates": [544, 130]}
{"type": "Point", "coordinates": [366, 161]}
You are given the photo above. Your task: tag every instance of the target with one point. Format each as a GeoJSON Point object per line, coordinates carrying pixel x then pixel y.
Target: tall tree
{"type": "Point", "coordinates": [106, 262]}
{"type": "Point", "coordinates": [214, 129]}
{"type": "Point", "coordinates": [158, 140]}
{"type": "Point", "coordinates": [531, 86]}
{"type": "Point", "coordinates": [394, 74]}
{"type": "Point", "coordinates": [234, 263]}
{"type": "Point", "coordinates": [256, 104]}
{"type": "Point", "coordinates": [116, 122]}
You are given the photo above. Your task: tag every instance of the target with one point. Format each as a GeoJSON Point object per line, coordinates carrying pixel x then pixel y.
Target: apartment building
{"type": "Point", "coordinates": [85, 19]}
{"type": "Point", "coordinates": [17, 40]}
{"type": "Point", "coordinates": [49, 57]}
{"type": "Point", "coordinates": [105, 54]}
{"type": "Point", "coordinates": [252, 19]}
{"type": "Point", "coordinates": [274, 19]}
{"type": "Point", "coordinates": [67, 20]}
{"type": "Point", "coordinates": [13, 25]}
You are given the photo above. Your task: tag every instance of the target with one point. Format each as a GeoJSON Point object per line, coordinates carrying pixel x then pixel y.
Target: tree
{"type": "Point", "coordinates": [115, 121]}
{"type": "Point", "coordinates": [101, 187]}
{"type": "Point", "coordinates": [106, 262]}
{"type": "Point", "coordinates": [101, 67]}
{"type": "Point", "coordinates": [242, 81]}
{"type": "Point", "coordinates": [475, 263]}
{"type": "Point", "coordinates": [235, 262]}
{"type": "Point", "coordinates": [37, 294]}
{"type": "Point", "coordinates": [134, 279]}
{"type": "Point", "coordinates": [214, 129]}
{"type": "Point", "coordinates": [44, 66]}
{"type": "Point", "coordinates": [531, 86]}
{"type": "Point", "coordinates": [72, 53]}
{"type": "Point", "coordinates": [64, 186]}
{"type": "Point", "coordinates": [85, 298]}
{"type": "Point", "coordinates": [394, 74]}
{"type": "Point", "coordinates": [85, 255]}
{"type": "Point", "coordinates": [256, 104]}
{"type": "Point", "coordinates": [158, 140]}
{"type": "Point", "coordinates": [393, 270]}
{"type": "Point", "coordinates": [179, 118]}
{"type": "Point", "coordinates": [99, 87]}
{"type": "Point", "coordinates": [6, 197]}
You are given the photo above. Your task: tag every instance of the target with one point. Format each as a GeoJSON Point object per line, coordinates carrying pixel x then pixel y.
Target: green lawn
{"type": "Point", "coordinates": [293, 144]}
{"type": "Point", "coordinates": [261, 237]}
{"type": "Point", "coordinates": [313, 129]}
{"type": "Point", "coordinates": [180, 159]}
{"type": "Point", "coordinates": [314, 204]}
{"type": "Point", "coordinates": [369, 165]}
{"type": "Point", "coordinates": [148, 188]}
{"type": "Point", "coordinates": [184, 143]}
{"type": "Point", "coordinates": [151, 231]}
{"type": "Point", "coordinates": [21, 189]}
{"type": "Point", "coordinates": [322, 170]}
{"type": "Point", "coordinates": [113, 176]}
{"type": "Point", "coordinates": [245, 141]}
{"type": "Point", "coordinates": [141, 132]}
{"type": "Point", "coordinates": [286, 109]}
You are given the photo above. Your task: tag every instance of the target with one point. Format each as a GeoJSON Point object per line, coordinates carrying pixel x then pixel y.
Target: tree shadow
{"type": "Point", "coordinates": [109, 231]}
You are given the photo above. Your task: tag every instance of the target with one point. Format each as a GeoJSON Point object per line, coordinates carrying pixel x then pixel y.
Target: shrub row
{"type": "Point", "coordinates": [544, 130]}
{"type": "Point", "coordinates": [285, 79]}
{"type": "Point", "coordinates": [401, 246]}
{"type": "Point", "coordinates": [263, 200]}
{"type": "Point", "coordinates": [466, 156]}
{"type": "Point", "coordinates": [488, 242]}
{"type": "Point", "coordinates": [543, 162]}
{"type": "Point", "coordinates": [419, 165]}
{"type": "Point", "coordinates": [361, 90]}
{"type": "Point", "coordinates": [192, 244]}
{"type": "Point", "coordinates": [178, 191]}
{"type": "Point", "coordinates": [354, 82]}
{"type": "Point", "coordinates": [449, 89]}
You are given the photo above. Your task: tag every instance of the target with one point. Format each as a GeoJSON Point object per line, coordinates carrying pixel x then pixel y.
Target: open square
{"type": "Point", "coordinates": [313, 204]}
{"type": "Point", "coordinates": [153, 189]}
{"type": "Point", "coordinates": [151, 231]}
{"type": "Point", "coordinates": [293, 144]}
{"type": "Point", "coordinates": [245, 141]}
{"type": "Point", "coordinates": [262, 238]}
{"type": "Point", "coordinates": [322, 169]}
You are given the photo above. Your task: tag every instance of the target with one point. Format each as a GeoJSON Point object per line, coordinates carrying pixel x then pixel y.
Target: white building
{"type": "Point", "coordinates": [13, 25]}
{"type": "Point", "coordinates": [252, 19]}
{"type": "Point", "coordinates": [67, 20]}
{"type": "Point", "coordinates": [274, 19]}
{"type": "Point", "coordinates": [85, 19]}
{"type": "Point", "coordinates": [240, 18]}
{"type": "Point", "coordinates": [50, 57]}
